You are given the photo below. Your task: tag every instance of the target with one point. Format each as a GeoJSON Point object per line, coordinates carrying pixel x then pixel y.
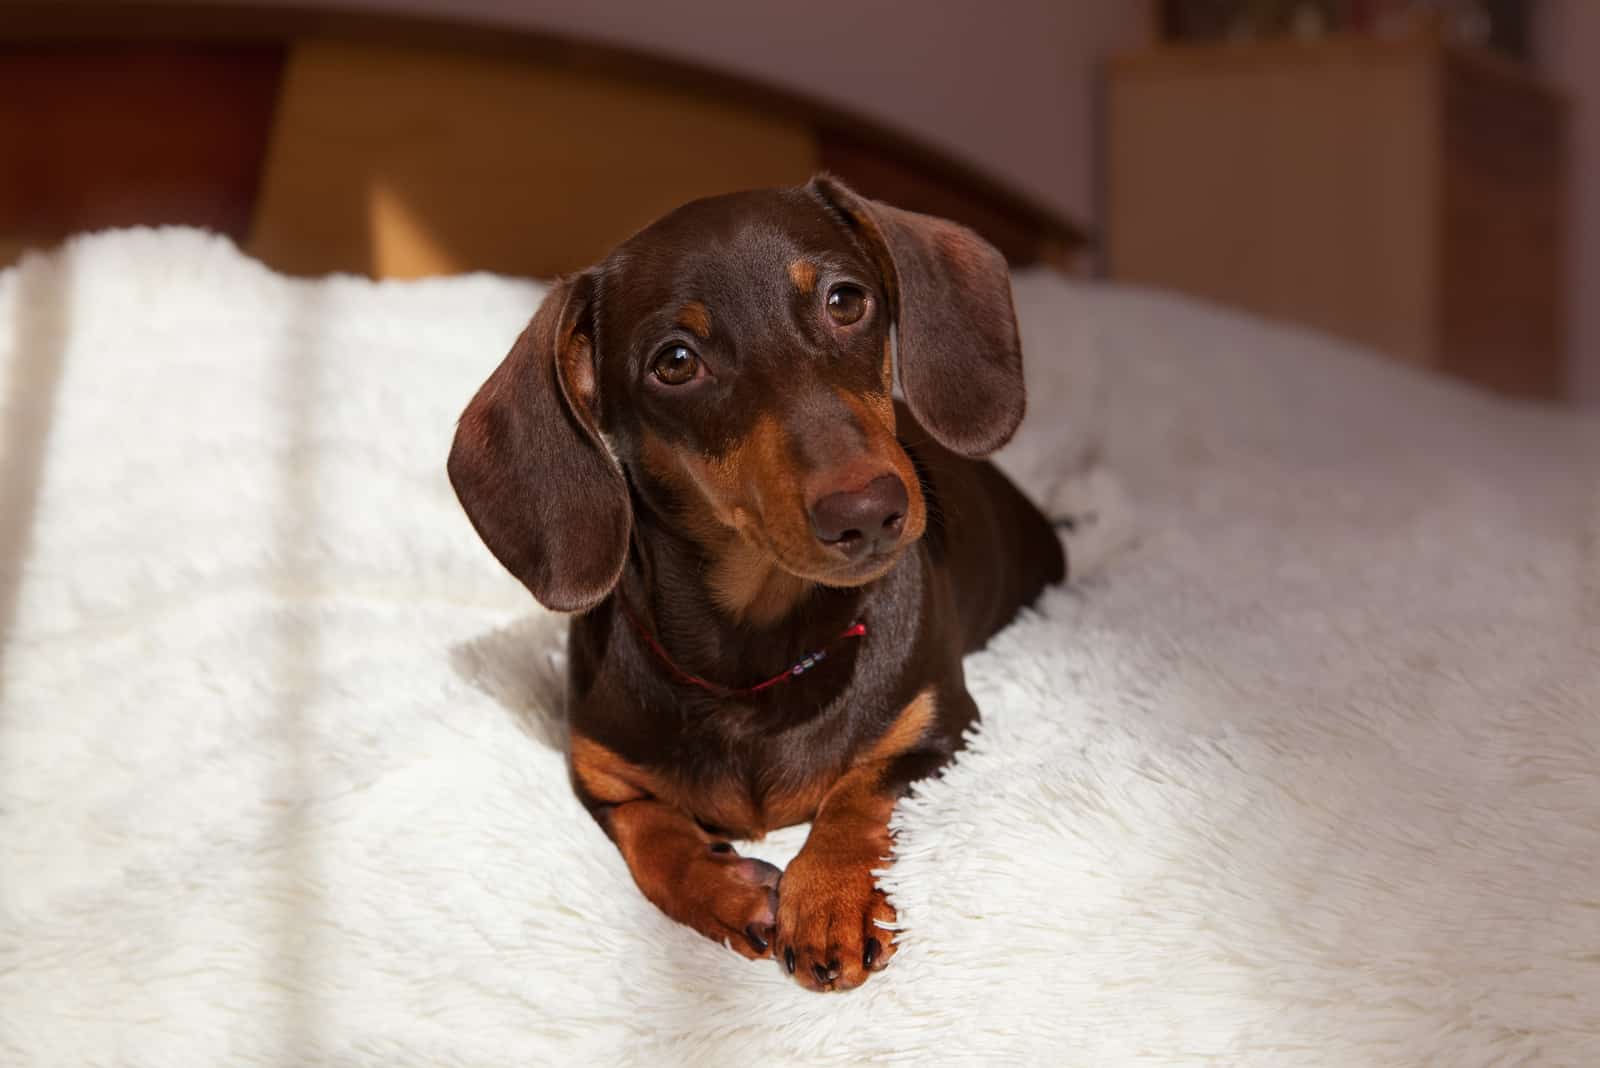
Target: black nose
{"type": "Point", "coordinates": [861, 521]}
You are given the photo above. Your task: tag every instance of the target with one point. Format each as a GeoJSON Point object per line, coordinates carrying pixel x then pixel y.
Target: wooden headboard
{"type": "Point", "coordinates": [397, 146]}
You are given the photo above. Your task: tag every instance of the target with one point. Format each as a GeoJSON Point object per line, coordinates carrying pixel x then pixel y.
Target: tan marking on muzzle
{"type": "Point", "coordinates": [875, 413]}
{"type": "Point", "coordinates": [730, 502]}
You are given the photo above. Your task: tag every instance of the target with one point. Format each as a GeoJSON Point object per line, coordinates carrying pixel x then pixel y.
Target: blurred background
{"type": "Point", "coordinates": [1420, 177]}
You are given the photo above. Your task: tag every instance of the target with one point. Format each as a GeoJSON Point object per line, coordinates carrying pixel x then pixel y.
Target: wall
{"type": "Point", "coordinates": [1567, 40]}
{"type": "Point", "coordinates": [1007, 84]}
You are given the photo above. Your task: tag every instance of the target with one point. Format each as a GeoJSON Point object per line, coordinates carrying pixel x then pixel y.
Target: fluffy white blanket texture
{"type": "Point", "coordinates": [1303, 768]}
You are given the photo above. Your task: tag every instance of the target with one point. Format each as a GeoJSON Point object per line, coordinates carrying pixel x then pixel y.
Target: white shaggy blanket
{"type": "Point", "coordinates": [1307, 774]}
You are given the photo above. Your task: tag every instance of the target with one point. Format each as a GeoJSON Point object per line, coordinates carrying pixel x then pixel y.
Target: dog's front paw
{"type": "Point", "coordinates": [735, 901]}
{"type": "Point", "coordinates": [835, 927]}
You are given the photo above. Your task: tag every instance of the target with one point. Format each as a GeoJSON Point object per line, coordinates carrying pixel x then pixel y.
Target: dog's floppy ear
{"type": "Point", "coordinates": [529, 466]}
{"type": "Point", "coordinates": [960, 357]}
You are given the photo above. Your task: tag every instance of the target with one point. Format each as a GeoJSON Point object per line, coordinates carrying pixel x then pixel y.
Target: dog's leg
{"type": "Point", "coordinates": [695, 878]}
{"type": "Point", "coordinates": [835, 926]}
{"type": "Point", "coordinates": [692, 876]}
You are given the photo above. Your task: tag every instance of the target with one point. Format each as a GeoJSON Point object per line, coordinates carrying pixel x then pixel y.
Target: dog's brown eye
{"type": "Point", "coordinates": [675, 365]}
{"type": "Point", "coordinates": [846, 304]}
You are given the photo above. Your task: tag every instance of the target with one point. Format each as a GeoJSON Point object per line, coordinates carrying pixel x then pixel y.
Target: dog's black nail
{"type": "Point", "coordinates": [788, 959]}
{"type": "Point", "coordinates": [820, 972]}
{"type": "Point", "coordinates": [833, 968]}
{"type": "Point", "coordinates": [755, 938]}
{"type": "Point", "coordinates": [870, 954]}
{"type": "Point", "coordinates": [721, 847]}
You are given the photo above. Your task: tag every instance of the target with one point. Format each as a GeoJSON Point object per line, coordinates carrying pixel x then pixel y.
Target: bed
{"type": "Point", "coordinates": [1302, 769]}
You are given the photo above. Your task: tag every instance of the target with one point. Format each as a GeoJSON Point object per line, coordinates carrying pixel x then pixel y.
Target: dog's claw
{"type": "Point", "coordinates": [788, 959]}
{"type": "Point", "coordinates": [755, 938]}
{"type": "Point", "coordinates": [869, 952]}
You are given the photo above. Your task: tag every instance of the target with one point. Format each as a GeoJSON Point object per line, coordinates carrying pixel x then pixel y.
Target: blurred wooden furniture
{"type": "Point", "coordinates": [1407, 194]}
{"type": "Point", "coordinates": [327, 139]}
{"type": "Point", "coordinates": [402, 161]}
{"type": "Point", "coordinates": [110, 133]}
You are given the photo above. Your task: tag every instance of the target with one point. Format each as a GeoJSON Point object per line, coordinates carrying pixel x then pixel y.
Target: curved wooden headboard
{"type": "Point", "coordinates": [400, 146]}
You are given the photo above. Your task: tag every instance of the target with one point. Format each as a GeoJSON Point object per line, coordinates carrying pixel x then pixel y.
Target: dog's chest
{"type": "Point", "coordinates": [757, 793]}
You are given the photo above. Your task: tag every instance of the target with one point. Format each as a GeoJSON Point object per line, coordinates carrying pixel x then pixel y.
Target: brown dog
{"type": "Point", "coordinates": [694, 446]}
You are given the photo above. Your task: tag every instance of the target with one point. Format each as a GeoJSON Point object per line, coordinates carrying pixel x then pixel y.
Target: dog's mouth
{"type": "Point", "coordinates": [841, 573]}
{"type": "Point", "coordinates": [835, 564]}
{"type": "Point", "coordinates": [868, 568]}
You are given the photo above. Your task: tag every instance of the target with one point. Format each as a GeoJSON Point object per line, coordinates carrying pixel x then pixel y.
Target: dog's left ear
{"type": "Point", "coordinates": [950, 290]}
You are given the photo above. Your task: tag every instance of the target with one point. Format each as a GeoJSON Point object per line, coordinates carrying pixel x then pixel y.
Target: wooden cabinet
{"type": "Point", "coordinates": [1408, 195]}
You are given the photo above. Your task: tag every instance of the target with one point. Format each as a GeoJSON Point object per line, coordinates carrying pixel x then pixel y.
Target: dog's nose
{"type": "Point", "coordinates": [860, 521]}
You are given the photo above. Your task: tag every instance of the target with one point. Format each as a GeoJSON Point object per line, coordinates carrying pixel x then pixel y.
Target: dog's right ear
{"type": "Point", "coordinates": [530, 468]}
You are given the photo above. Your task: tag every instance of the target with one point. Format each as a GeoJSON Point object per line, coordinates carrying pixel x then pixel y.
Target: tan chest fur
{"type": "Point", "coordinates": [729, 805]}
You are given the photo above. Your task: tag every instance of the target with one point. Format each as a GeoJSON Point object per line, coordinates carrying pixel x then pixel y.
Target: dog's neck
{"type": "Point", "coordinates": [716, 567]}
{"type": "Point", "coordinates": [727, 610]}
{"type": "Point", "coordinates": [749, 587]}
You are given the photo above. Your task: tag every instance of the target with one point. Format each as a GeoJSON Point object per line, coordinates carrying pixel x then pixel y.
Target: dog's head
{"type": "Point", "coordinates": [732, 363]}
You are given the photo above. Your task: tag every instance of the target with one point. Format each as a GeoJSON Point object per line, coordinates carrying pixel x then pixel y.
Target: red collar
{"type": "Point", "coordinates": [857, 629]}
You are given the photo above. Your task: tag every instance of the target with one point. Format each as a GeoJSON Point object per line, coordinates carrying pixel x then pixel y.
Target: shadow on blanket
{"type": "Point", "coordinates": [300, 658]}
{"type": "Point", "coordinates": [523, 666]}
{"type": "Point", "coordinates": [40, 336]}
{"type": "Point", "coordinates": [44, 308]}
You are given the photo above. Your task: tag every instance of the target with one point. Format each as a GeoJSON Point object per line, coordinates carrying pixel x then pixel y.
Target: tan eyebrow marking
{"type": "Point", "coordinates": [804, 276]}
{"type": "Point", "coordinates": [693, 316]}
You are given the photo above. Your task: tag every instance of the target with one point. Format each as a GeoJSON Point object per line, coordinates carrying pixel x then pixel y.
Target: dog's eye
{"type": "Point", "coordinates": [675, 365]}
{"type": "Point", "coordinates": [846, 304]}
